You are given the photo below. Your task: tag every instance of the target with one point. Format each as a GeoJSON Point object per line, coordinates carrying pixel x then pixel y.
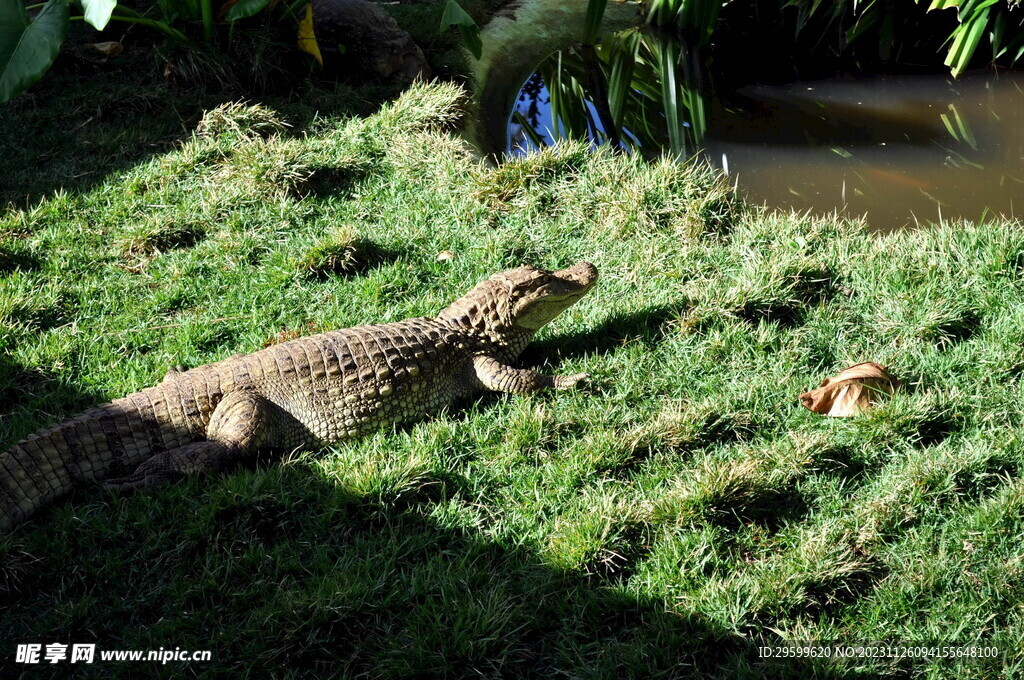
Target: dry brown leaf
{"type": "Point", "coordinates": [854, 390]}
{"type": "Point", "coordinates": [109, 48]}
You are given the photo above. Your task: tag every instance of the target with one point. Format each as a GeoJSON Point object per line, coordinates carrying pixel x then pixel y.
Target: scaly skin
{"type": "Point", "coordinates": [300, 394]}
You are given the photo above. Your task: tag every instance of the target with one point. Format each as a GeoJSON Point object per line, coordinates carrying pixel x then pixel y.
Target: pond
{"type": "Point", "coordinates": [900, 150]}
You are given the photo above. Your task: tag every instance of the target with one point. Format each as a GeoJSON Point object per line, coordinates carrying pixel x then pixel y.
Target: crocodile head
{"type": "Point", "coordinates": [520, 301]}
{"type": "Point", "coordinates": [539, 296]}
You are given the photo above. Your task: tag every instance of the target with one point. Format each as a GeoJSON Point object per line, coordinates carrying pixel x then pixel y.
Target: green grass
{"type": "Point", "coordinates": [662, 521]}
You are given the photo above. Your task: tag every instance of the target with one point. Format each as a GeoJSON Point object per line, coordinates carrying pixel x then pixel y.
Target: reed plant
{"type": "Point", "coordinates": [644, 89]}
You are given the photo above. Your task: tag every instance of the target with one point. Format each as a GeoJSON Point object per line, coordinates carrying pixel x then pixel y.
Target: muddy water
{"type": "Point", "coordinates": [900, 150]}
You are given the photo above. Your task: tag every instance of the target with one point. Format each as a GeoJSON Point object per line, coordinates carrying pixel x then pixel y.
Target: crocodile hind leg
{"type": "Point", "coordinates": [241, 424]}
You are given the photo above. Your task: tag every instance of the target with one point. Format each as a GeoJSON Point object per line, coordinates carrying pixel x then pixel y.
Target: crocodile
{"type": "Point", "coordinates": [297, 395]}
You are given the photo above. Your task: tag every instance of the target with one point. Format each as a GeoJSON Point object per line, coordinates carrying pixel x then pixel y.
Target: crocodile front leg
{"type": "Point", "coordinates": [499, 377]}
{"type": "Point", "coordinates": [241, 424]}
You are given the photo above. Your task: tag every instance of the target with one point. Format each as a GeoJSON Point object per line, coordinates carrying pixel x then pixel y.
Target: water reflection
{"type": "Point", "coordinates": [900, 150]}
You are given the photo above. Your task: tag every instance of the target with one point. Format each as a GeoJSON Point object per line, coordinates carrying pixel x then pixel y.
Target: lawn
{"type": "Point", "coordinates": [665, 520]}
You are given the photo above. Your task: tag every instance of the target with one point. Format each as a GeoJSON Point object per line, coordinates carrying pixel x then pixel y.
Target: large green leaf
{"type": "Point", "coordinates": [97, 12]}
{"type": "Point", "coordinates": [27, 49]}
{"type": "Point", "coordinates": [245, 8]}
{"type": "Point", "coordinates": [454, 15]}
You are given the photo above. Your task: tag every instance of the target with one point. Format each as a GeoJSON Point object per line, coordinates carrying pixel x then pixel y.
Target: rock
{"type": "Point", "coordinates": [358, 36]}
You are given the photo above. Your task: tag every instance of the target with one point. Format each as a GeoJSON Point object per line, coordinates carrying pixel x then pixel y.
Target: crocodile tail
{"type": "Point", "coordinates": [46, 465]}
{"type": "Point", "coordinates": [109, 439]}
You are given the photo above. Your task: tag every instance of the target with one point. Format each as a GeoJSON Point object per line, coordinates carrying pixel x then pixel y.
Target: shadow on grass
{"type": "Point", "coordinates": [69, 134]}
{"type": "Point", "coordinates": [39, 319]}
{"type": "Point", "coordinates": [31, 398]}
{"type": "Point", "coordinates": [286, 574]}
{"type": "Point", "coordinates": [355, 257]}
{"type": "Point", "coordinates": [325, 181]}
{"type": "Point", "coordinates": [13, 259]}
{"type": "Point", "coordinates": [280, 571]}
{"type": "Point", "coordinates": [769, 507]}
{"type": "Point", "coordinates": [647, 326]}
{"type": "Point", "coordinates": [85, 121]}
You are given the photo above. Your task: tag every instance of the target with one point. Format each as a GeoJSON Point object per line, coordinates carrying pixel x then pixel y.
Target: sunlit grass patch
{"type": "Point", "coordinates": [676, 510]}
{"type": "Point", "coordinates": [515, 179]}
{"type": "Point", "coordinates": [239, 121]}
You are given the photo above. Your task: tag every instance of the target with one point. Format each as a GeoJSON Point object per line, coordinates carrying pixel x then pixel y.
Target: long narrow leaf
{"type": "Point", "coordinates": [706, 19]}
{"type": "Point", "coordinates": [554, 83]}
{"type": "Point", "coordinates": [997, 34]}
{"type": "Point", "coordinates": [967, 37]}
{"type": "Point", "coordinates": [528, 130]}
{"type": "Point", "coordinates": [670, 98]}
{"type": "Point", "coordinates": [307, 36]}
{"type": "Point", "coordinates": [622, 58]}
{"type": "Point", "coordinates": [592, 21]}
{"type": "Point", "coordinates": [943, 4]}
{"type": "Point", "coordinates": [695, 107]}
